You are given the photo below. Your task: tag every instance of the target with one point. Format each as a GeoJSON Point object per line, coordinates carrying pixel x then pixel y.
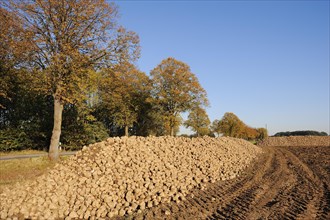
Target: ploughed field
{"type": "Point", "coordinates": [285, 183]}
{"type": "Point", "coordinates": [180, 178]}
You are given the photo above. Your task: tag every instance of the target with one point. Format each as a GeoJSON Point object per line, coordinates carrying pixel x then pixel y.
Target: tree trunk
{"type": "Point", "coordinates": [126, 130]}
{"type": "Point", "coordinates": [54, 142]}
{"type": "Point", "coordinates": [172, 124]}
{"type": "Point", "coordinates": [172, 130]}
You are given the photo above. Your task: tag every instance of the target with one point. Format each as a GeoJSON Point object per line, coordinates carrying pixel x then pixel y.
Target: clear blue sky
{"type": "Point", "coordinates": [265, 61]}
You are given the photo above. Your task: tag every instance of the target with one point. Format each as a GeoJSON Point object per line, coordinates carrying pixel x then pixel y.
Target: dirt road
{"type": "Point", "coordinates": [285, 183]}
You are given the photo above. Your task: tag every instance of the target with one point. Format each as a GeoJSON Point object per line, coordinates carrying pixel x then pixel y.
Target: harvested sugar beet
{"type": "Point", "coordinates": [124, 175]}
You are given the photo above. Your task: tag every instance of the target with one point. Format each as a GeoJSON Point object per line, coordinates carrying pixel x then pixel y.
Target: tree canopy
{"type": "Point", "coordinates": [123, 89]}
{"type": "Point", "coordinates": [69, 41]}
{"type": "Point", "coordinates": [230, 125]}
{"type": "Point", "coordinates": [215, 127]}
{"type": "Point", "coordinates": [68, 74]}
{"type": "Point", "coordinates": [15, 45]}
{"type": "Point", "coordinates": [176, 89]}
{"type": "Point", "coordinates": [199, 121]}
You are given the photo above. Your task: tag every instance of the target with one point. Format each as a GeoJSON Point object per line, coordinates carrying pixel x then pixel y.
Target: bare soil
{"type": "Point", "coordinates": [284, 183]}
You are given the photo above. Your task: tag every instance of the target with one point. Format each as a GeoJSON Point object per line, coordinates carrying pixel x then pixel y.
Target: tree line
{"type": "Point", "coordinates": [300, 133]}
{"type": "Point", "coordinates": [231, 126]}
{"type": "Point", "coordinates": [68, 76]}
{"type": "Point", "coordinates": [125, 102]}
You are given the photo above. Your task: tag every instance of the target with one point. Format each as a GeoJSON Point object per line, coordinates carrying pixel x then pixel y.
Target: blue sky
{"type": "Point", "coordinates": [265, 61]}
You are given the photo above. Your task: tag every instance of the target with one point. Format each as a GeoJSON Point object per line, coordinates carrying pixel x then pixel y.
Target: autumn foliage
{"type": "Point", "coordinates": [123, 90]}
{"type": "Point", "coordinates": [231, 126]}
{"type": "Point", "coordinates": [176, 89]}
{"type": "Point", "coordinates": [68, 74]}
{"type": "Point", "coordinates": [68, 41]}
{"type": "Point", "coordinates": [198, 121]}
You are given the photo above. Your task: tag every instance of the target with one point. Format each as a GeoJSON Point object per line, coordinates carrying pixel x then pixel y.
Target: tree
{"type": "Point", "coordinates": [80, 127]}
{"type": "Point", "coordinates": [262, 133]}
{"type": "Point", "coordinates": [70, 39]}
{"type": "Point", "coordinates": [149, 120]}
{"type": "Point", "coordinates": [231, 125]}
{"type": "Point", "coordinates": [171, 125]}
{"type": "Point", "coordinates": [15, 44]}
{"type": "Point", "coordinates": [215, 127]}
{"type": "Point", "coordinates": [249, 133]}
{"type": "Point", "coordinates": [199, 121]}
{"type": "Point", "coordinates": [175, 89]}
{"type": "Point", "coordinates": [123, 91]}
{"type": "Point", "coordinates": [26, 112]}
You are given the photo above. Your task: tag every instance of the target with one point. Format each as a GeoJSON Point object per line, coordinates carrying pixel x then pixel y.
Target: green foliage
{"type": "Point", "coordinates": [300, 133]}
{"type": "Point", "coordinates": [67, 42]}
{"type": "Point", "coordinates": [231, 125]}
{"type": "Point", "coordinates": [86, 75]}
{"type": "Point", "coordinates": [96, 132]}
{"type": "Point", "coordinates": [80, 127]}
{"type": "Point", "coordinates": [14, 139]}
{"type": "Point", "coordinates": [26, 112]}
{"type": "Point", "coordinates": [150, 121]}
{"type": "Point", "coordinates": [123, 90]}
{"type": "Point", "coordinates": [175, 90]}
{"type": "Point", "coordinates": [199, 121]}
{"type": "Point", "coordinates": [27, 123]}
{"type": "Point", "coordinates": [215, 127]}
{"type": "Point", "coordinates": [78, 63]}
{"type": "Point", "coordinates": [88, 134]}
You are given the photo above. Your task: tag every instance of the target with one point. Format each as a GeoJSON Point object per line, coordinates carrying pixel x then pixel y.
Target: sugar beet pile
{"type": "Point", "coordinates": [125, 175]}
{"type": "Point", "coordinates": [296, 141]}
